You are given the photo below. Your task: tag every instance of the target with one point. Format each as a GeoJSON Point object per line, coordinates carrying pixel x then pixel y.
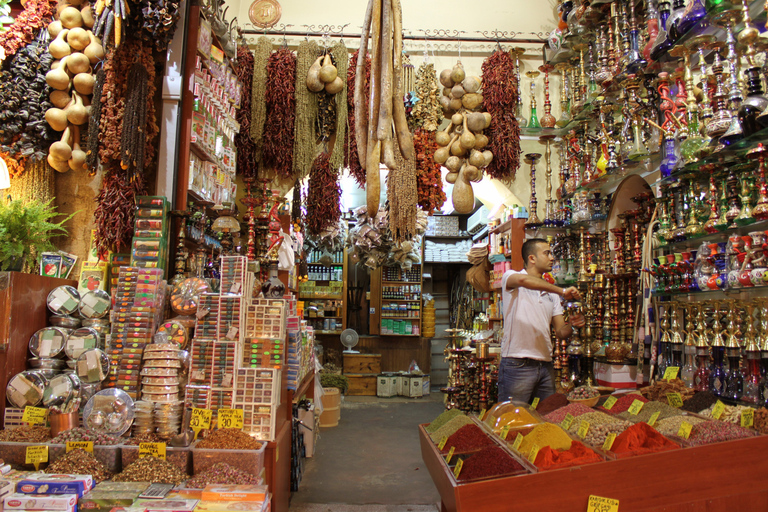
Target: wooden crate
{"type": "Point", "coordinates": [361, 384]}
{"type": "Point", "coordinates": [362, 363]}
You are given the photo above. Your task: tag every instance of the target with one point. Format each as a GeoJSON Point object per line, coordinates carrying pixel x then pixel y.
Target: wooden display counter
{"type": "Point", "coordinates": [717, 477]}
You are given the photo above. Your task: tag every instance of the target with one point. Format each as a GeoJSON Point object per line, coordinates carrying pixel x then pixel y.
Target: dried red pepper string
{"type": "Point", "coordinates": [36, 15]}
{"type": "Point", "coordinates": [351, 160]}
{"type": "Point", "coordinates": [500, 99]}
{"type": "Point", "coordinates": [247, 164]}
{"type": "Point", "coordinates": [115, 208]}
{"type": "Point", "coordinates": [280, 98]}
{"type": "Point", "coordinates": [429, 184]}
{"type": "Point", "coordinates": [323, 196]}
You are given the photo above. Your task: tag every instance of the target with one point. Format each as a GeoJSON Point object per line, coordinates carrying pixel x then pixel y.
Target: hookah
{"type": "Point", "coordinates": [575, 353]}
{"type": "Point", "coordinates": [760, 211]}
{"type": "Point", "coordinates": [581, 90]}
{"type": "Point", "coordinates": [521, 120]}
{"type": "Point", "coordinates": [250, 202]}
{"type": "Point", "coordinates": [565, 108]}
{"type": "Point", "coordinates": [639, 151]}
{"type": "Point", "coordinates": [734, 133]}
{"type": "Point", "coordinates": [534, 120]}
{"type": "Point", "coordinates": [752, 356]}
{"type": "Point", "coordinates": [745, 214]}
{"type": "Point", "coordinates": [533, 218]}
{"type": "Point", "coordinates": [698, 44]}
{"type": "Point", "coordinates": [549, 216]}
{"type": "Point", "coordinates": [669, 110]}
{"type": "Point", "coordinates": [547, 120]}
{"type": "Point", "coordinates": [664, 341]}
{"type": "Point", "coordinates": [676, 340]}
{"type": "Point", "coordinates": [182, 253]}
{"type": "Point", "coordinates": [690, 147]}
{"type": "Point", "coordinates": [688, 370]}
{"type": "Point", "coordinates": [755, 102]}
{"type": "Point", "coordinates": [717, 373]}
{"type": "Point", "coordinates": [661, 45]}
{"type": "Point", "coordinates": [691, 16]}
{"type": "Point", "coordinates": [652, 22]}
{"type": "Point", "coordinates": [734, 379]}
{"type": "Point", "coordinates": [763, 344]}
{"type": "Point", "coordinates": [721, 117]}
{"type": "Point", "coordinates": [635, 58]}
{"type": "Point", "coordinates": [701, 377]}
{"type": "Point", "coordinates": [603, 77]}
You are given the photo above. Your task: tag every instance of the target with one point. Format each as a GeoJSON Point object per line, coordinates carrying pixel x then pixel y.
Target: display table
{"type": "Point", "coordinates": [716, 477]}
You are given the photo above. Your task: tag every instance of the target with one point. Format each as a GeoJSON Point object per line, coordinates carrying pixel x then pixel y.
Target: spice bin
{"type": "Point", "coordinates": [109, 455]}
{"type": "Point", "coordinates": [248, 461]}
{"type": "Point", "coordinates": [15, 454]}
{"type": "Point", "coordinates": [181, 457]}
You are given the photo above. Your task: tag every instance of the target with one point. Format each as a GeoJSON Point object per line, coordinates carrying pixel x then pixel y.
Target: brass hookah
{"type": "Point", "coordinates": [549, 215]}
{"type": "Point", "coordinates": [547, 120]}
{"type": "Point", "coordinates": [760, 211]}
{"type": "Point", "coordinates": [533, 218]}
{"type": "Point", "coordinates": [565, 114]}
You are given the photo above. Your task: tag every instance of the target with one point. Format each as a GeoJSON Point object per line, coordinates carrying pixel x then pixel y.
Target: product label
{"type": "Point", "coordinates": [718, 410]}
{"type": "Point", "coordinates": [34, 415]}
{"type": "Point", "coordinates": [535, 403]}
{"type": "Point", "coordinates": [600, 504]}
{"type": "Point", "coordinates": [671, 372]}
{"type": "Point", "coordinates": [567, 421]}
{"type": "Point", "coordinates": [231, 418]}
{"type": "Point", "coordinates": [534, 452]}
{"type": "Point", "coordinates": [583, 429]}
{"type": "Point", "coordinates": [685, 430]}
{"type": "Point", "coordinates": [152, 450]}
{"type": "Point", "coordinates": [610, 402]}
{"type": "Point", "coordinates": [505, 432]}
{"type": "Point", "coordinates": [457, 469]}
{"type": "Point", "coordinates": [82, 445]}
{"type": "Point", "coordinates": [747, 417]}
{"type": "Point", "coordinates": [636, 407]}
{"type": "Point", "coordinates": [200, 420]}
{"type": "Point", "coordinates": [481, 416]}
{"type": "Point", "coordinates": [609, 441]}
{"type": "Point", "coordinates": [675, 400]}
{"type": "Point", "coordinates": [37, 455]}
{"type": "Point", "coordinates": [450, 455]}
{"type": "Point", "coordinates": [518, 441]}
{"type": "Point", "coordinates": [654, 418]}
{"type": "Point", "coordinates": [442, 442]}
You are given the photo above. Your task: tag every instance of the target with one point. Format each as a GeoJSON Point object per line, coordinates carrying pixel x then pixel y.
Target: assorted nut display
{"type": "Point", "coordinates": [583, 393]}
{"type": "Point", "coordinates": [600, 425]}
{"type": "Point", "coordinates": [25, 434]}
{"type": "Point", "coordinates": [79, 462]}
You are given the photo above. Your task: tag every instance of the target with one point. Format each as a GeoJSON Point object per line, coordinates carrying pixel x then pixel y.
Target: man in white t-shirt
{"type": "Point", "coordinates": [531, 305]}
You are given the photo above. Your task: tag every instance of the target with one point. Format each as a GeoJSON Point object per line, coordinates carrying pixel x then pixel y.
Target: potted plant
{"type": "Point", "coordinates": [26, 229]}
{"type": "Point", "coordinates": [334, 385]}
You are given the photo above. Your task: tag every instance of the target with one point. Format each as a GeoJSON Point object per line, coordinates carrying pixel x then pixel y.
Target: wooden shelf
{"type": "Point", "coordinates": [321, 297]}
{"type": "Point", "coordinates": [502, 227]}
{"type": "Point", "coordinates": [400, 300]}
{"type": "Point", "coordinates": [320, 317]}
{"type": "Point", "coordinates": [399, 282]}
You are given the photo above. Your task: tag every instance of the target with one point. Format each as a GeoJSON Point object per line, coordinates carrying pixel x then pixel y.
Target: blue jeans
{"type": "Point", "coordinates": [523, 379]}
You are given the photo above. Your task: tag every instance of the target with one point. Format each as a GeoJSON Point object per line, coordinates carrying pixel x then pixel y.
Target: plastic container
{"type": "Point", "coordinates": [181, 457]}
{"type": "Point", "coordinates": [109, 455]}
{"type": "Point", "coordinates": [15, 454]}
{"type": "Point", "coordinates": [249, 461]}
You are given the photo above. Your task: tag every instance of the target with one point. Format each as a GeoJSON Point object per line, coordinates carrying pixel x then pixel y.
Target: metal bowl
{"type": "Point", "coordinates": [46, 363]}
{"type": "Point", "coordinates": [100, 412]}
{"type": "Point", "coordinates": [64, 321]}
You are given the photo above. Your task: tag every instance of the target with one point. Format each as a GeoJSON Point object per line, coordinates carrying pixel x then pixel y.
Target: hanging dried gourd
{"type": "Point", "coordinates": [304, 147]}
{"type": "Point", "coordinates": [281, 113]}
{"type": "Point", "coordinates": [351, 161]}
{"type": "Point", "coordinates": [247, 164]}
{"type": "Point", "coordinates": [500, 99]}
{"type": "Point", "coordinates": [325, 77]}
{"type": "Point", "coordinates": [323, 196]}
{"type": "Point", "coordinates": [427, 112]}
{"type": "Point", "coordinates": [261, 54]}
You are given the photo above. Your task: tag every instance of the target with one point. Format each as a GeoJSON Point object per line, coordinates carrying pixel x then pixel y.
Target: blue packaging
{"type": "Point", "coordinates": [41, 483]}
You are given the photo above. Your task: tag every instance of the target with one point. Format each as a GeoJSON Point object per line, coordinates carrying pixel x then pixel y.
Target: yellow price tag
{"type": "Point", "coordinates": [457, 469]}
{"type": "Point", "coordinates": [34, 415]}
{"type": "Point", "coordinates": [481, 416]}
{"type": "Point", "coordinates": [675, 400]}
{"type": "Point", "coordinates": [442, 442]}
{"type": "Point", "coordinates": [685, 430]}
{"type": "Point", "coordinates": [747, 417]}
{"type": "Point", "coordinates": [636, 407]}
{"type": "Point", "coordinates": [200, 420]}
{"type": "Point", "coordinates": [654, 418]}
{"type": "Point", "coordinates": [450, 455]}
{"type": "Point", "coordinates": [671, 372]}
{"type": "Point", "coordinates": [534, 452]}
{"type": "Point", "coordinates": [505, 432]}
{"type": "Point", "coordinates": [583, 429]}
{"type": "Point", "coordinates": [609, 441]}
{"type": "Point", "coordinates": [82, 445]}
{"type": "Point", "coordinates": [718, 410]}
{"type": "Point", "coordinates": [610, 402]}
{"type": "Point", "coordinates": [518, 441]}
{"type": "Point", "coordinates": [600, 504]}
{"type": "Point", "coordinates": [37, 455]}
{"type": "Point", "coordinates": [231, 418]}
{"type": "Point", "coordinates": [152, 450]}
{"type": "Point", "coordinates": [567, 421]}
{"type": "Point", "coordinates": [535, 403]}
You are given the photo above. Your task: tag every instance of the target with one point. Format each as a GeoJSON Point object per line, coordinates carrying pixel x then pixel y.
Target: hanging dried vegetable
{"type": "Point", "coordinates": [34, 184]}
{"type": "Point", "coordinates": [157, 19]}
{"type": "Point", "coordinates": [323, 196]}
{"type": "Point", "coordinates": [304, 146]}
{"type": "Point", "coordinates": [132, 142]}
{"type": "Point", "coordinates": [325, 123]}
{"type": "Point", "coordinates": [114, 213]}
{"type": "Point", "coordinates": [427, 112]}
{"type": "Point", "coordinates": [341, 59]}
{"type": "Point", "coordinates": [351, 161]}
{"type": "Point", "coordinates": [36, 15]}
{"type": "Point", "coordinates": [500, 99]}
{"type": "Point", "coordinates": [15, 168]}
{"type": "Point", "coordinates": [24, 98]}
{"type": "Point", "coordinates": [281, 113]}
{"type": "Point", "coordinates": [429, 184]}
{"type": "Point", "coordinates": [261, 55]}
{"type": "Point", "coordinates": [296, 216]}
{"type": "Point", "coordinates": [247, 164]}
{"type": "Point", "coordinates": [92, 153]}
{"type": "Point", "coordinates": [401, 192]}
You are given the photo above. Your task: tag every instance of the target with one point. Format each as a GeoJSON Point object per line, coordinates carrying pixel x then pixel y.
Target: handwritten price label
{"type": "Point", "coordinates": [442, 442]}
{"type": "Point", "coordinates": [685, 430]}
{"type": "Point", "coordinates": [535, 403]}
{"type": "Point", "coordinates": [609, 441]}
{"type": "Point", "coordinates": [747, 418]}
{"type": "Point", "coordinates": [518, 441]}
{"type": "Point", "coordinates": [671, 372]}
{"type": "Point", "coordinates": [35, 415]}
{"type": "Point", "coordinates": [636, 407]}
{"type": "Point", "coordinates": [450, 455]}
{"type": "Point", "coordinates": [505, 432]}
{"type": "Point", "coordinates": [567, 421]}
{"type": "Point", "coordinates": [36, 455]}
{"type": "Point", "coordinates": [610, 402]}
{"type": "Point", "coordinates": [152, 450]}
{"type": "Point", "coordinates": [600, 504]}
{"type": "Point", "coordinates": [81, 445]}
{"type": "Point", "coordinates": [457, 469]}
{"type": "Point", "coordinates": [231, 418]}
{"type": "Point", "coordinates": [200, 420]}
{"type": "Point", "coordinates": [583, 429]}
{"type": "Point", "coordinates": [534, 452]}
{"type": "Point", "coordinates": [675, 400]}
{"type": "Point", "coordinates": [718, 410]}
{"type": "Point", "coordinates": [654, 418]}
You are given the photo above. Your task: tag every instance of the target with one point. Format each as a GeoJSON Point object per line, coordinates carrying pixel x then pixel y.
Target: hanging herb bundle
{"type": "Point", "coordinates": [401, 193]}
{"type": "Point", "coordinates": [281, 113]}
{"type": "Point", "coordinates": [247, 164]}
{"type": "Point", "coordinates": [304, 146]}
{"type": "Point", "coordinates": [92, 153]}
{"type": "Point", "coordinates": [340, 57]}
{"type": "Point", "coordinates": [500, 99]}
{"type": "Point", "coordinates": [24, 97]}
{"type": "Point", "coordinates": [351, 160]}
{"type": "Point", "coordinates": [323, 196]}
{"type": "Point", "coordinates": [36, 15]}
{"type": "Point", "coordinates": [427, 113]}
{"type": "Point", "coordinates": [258, 90]}
{"type": "Point", "coordinates": [114, 212]}
{"type": "Point", "coordinates": [429, 181]}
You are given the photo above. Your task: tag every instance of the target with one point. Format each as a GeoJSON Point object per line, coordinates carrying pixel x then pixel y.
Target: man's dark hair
{"type": "Point", "coordinates": [529, 247]}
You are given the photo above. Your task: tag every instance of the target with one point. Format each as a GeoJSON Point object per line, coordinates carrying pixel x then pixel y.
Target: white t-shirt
{"type": "Point", "coordinates": [527, 318]}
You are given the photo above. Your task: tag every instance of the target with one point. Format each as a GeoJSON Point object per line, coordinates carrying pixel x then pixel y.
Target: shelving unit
{"type": "Point", "coordinates": [325, 310]}
{"type": "Point", "coordinates": [401, 301]}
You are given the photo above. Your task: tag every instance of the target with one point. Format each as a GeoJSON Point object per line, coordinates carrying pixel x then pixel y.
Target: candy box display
{"type": "Point", "coordinates": [40, 483]}
{"type": "Point", "coordinates": [65, 502]}
{"type": "Point", "coordinates": [229, 506]}
{"type": "Point", "coordinates": [6, 487]}
{"type": "Point", "coordinates": [167, 505]}
{"type": "Point", "coordinates": [231, 492]}
{"type": "Point", "coordinates": [109, 495]}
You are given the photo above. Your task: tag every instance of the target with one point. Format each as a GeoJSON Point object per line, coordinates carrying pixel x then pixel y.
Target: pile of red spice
{"type": "Point", "coordinates": [641, 438]}
{"type": "Point", "coordinates": [488, 462]}
{"type": "Point", "coordinates": [551, 404]}
{"type": "Point", "coordinates": [577, 454]}
{"type": "Point", "coordinates": [468, 438]}
{"type": "Point", "coordinates": [623, 403]}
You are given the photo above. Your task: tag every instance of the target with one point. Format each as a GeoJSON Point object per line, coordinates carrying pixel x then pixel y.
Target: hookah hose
{"type": "Point", "coordinates": [648, 304]}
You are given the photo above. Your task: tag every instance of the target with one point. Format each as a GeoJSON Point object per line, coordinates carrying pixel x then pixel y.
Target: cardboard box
{"type": "Point", "coordinates": [167, 505]}
{"type": "Point", "coordinates": [40, 483]}
{"type": "Point", "coordinates": [229, 506]}
{"type": "Point", "coordinates": [223, 492]}
{"type": "Point", "coordinates": [65, 502]}
{"type": "Point", "coordinates": [385, 386]}
{"type": "Point", "coordinates": [619, 376]}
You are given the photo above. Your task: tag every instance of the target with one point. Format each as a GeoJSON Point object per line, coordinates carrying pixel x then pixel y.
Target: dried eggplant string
{"type": "Point", "coordinates": [323, 196]}
{"type": "Point", "coordinates": [36, 15]}
{"type": "Point", "coordinates": [258, 90]}
{"type": "Point", "coordinates": [500, 99]}
{"type": "Point", "coordinates": [325, 123]}
{"type": "Point", "coordinates": [247, 164]}
{"type": "Point", "coordinates": [132, 143]}
{"type": "Point", "coordinates": [351, 160]}
{"type": "Point", "coordinates": [157, 20]}
{"type": "Point", "coordinates": [429, 179]}
{"type": "Point", "coordinates": [427, 112]}
{"type": "Point", "coordinates": [340, 57]}
{"type": "Point", "coordinates": [92, 153]}
{"type": "Point", "coordinates": [281, 113]}
{"type": "Point", "coordinates": [296, 216]}
{"type": "Point", "coordinates": [304, 146]}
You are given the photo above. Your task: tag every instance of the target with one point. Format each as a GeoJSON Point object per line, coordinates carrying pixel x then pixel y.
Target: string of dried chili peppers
{"type": "Point", "coordinates": [340, 57]}
{"type": "Point", "coordinates": [36, 15]}
{"type": "Point", "coordinates": [351, 161]}
{"type": "Point", "coordinates": [261, 54]}
{"type": "Point", "coordinates": [247, 164]}
{"type": "Point", "coordinates": [500, 99]}
{"type": "Point", "coordinates": [304, 146]}
{"type": "Point", "coordinates": [429, 179]}
{"type": "Point", "coordinates": [114, 212]}
{"type": "Point", "coordinates": [281, 113]}
{"type": "Point", "coordinates": [323, 196]}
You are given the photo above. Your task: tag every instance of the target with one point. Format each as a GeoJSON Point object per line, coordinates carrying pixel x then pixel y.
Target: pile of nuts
{"type": "Point", "coordinates": [152, 469]}
{"type": "Point", "coordinates": [731, 413]}
{"type": "Point", "coordinates": [25, 435]}
{"type": "Point", "coordinates": [583, 393]}
{"type": "Point", "coordinates": [761, 420]}
{"type": "Point", "coordinates": [671, 426]}
{"type": "Point", "coordinates": [600, 425]}
{"type": "Point", "coordinates": [80, 462]}
{"type": "Point", "coordinates": [84, 434]}
{"type": "Point", "coordinates": [229, 439]}
{"type": "Point", "coordinates": [221, 473]}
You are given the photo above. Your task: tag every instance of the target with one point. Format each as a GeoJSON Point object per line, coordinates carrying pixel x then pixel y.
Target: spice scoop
{"type": "Point", "coordinates": [187, 435]}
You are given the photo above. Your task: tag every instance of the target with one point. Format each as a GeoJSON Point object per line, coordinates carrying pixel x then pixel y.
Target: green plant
{"type": "Point", "coordinates": [5, 15]}
{"type": "Point", "coordinates": [26, 229]}
{"type": "Point", "coordinates": [331, 377]}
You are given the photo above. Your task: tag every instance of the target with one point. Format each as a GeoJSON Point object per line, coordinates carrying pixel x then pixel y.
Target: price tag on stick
{"type": "Point", "coordinates": [610, 402]}
{"type": "Point", "coordinates": [609, 441]}
{"type": "Point", "coordinates": [583, 429]}
{"type": "Point", "coordinates": [481, 416]}
{"type": "Point", "coordinates": [671, 372]}
{"type": "Point", "coordinates": [457, 469]}
{"type": "Point", "coordinates": [505, 432]}
{"type": "Point", "coordinates": [518, 441]}
{"type": "Point", "coordinates": [200, 420]}
{"type": "Point", "coordinates": [82, 445]}
{"type": "Point", "coordinates": [675, 400]}
{"type": "Point", "coordinates": [636, 407]}
{"type": "Point", "coordinates": [442, 442]}
{"type": "Point", "coordinates": [534, 452]}
{"type": "Point", "coordinates": [685, 430]}
{"type": "Point", "coordinates": [747, 418]}
{"type": "Point", "coordinates": [718, 410]}
{"type": "Point", "coordinates": [450, 455]}
{"type": "Point", "coordinates": [152, 450]}
{"type": "Point", "coordinates": [231, 418]}
{"type": "Point", "coordinates": [535, 403]}
{"type": "Point", "coordinates": [34, 415]}
{"type": "Point", "coordinates": [654, 418]}
{"type": "Point", "coordinates": [600, 504]}
{"type": "Point", "coordinates": [36, 455]}
{"type": "Point", "coordinates": [567, 421]}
